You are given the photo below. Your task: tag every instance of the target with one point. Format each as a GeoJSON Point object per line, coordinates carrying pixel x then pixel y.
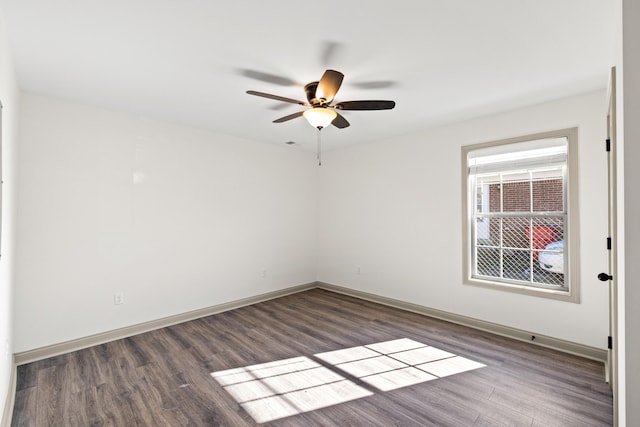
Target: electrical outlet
{"type": "Point", "coordinates": [118, 298]}
{"type": "Point", "coordinates": [358, 270]}
{"type": "Point", "coordinates": [264, 273]}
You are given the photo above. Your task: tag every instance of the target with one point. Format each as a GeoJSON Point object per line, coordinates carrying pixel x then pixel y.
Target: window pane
{"type": "Point", "coordinates": [548, 244]}
{"type": "Point", "coordinates": [487, 193]}
{"type": "Point", "coordinates": [545, 231]}
{"type": "Point", "coordinates": [488, 262]}
{"type": "Point", "coordinates": [483, 232]}
{"type": "Point", "coordinates": [549, 278]}
{"type": "Point", "coordinates": [516, 264]}
{"type": "Point", "coordinates": [516, 192]}
{"type": "Point", "coordinates": [548, 191]}
{"type": "Point", "coordinates": [514, 233]}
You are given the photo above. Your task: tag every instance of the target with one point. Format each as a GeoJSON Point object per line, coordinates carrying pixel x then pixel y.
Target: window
{"type": "Point", "coordinates": [519, 214]}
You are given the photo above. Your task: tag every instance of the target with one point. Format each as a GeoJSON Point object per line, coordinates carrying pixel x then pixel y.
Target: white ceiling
{"type": "Point", "coordinates": [191, 61]}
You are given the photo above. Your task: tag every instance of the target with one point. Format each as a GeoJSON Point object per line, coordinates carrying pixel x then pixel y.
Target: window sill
{"type": "Point", "coordinates": [557, 294]}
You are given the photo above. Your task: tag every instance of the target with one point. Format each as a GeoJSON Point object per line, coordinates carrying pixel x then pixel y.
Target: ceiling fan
{"type": "Point", "coordinates": [320, 96]}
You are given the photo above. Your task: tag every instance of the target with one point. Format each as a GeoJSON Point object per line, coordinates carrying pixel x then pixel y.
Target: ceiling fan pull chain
{"type": "Point", "coordinates": [319, 152]}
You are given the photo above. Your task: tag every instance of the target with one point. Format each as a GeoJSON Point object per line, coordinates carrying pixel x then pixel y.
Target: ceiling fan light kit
{"type": "Point", "coordinates": [319, 117]}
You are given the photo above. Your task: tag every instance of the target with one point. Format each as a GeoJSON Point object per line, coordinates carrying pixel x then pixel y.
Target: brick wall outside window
{"type": "Point", "coordinates": [547, 196]}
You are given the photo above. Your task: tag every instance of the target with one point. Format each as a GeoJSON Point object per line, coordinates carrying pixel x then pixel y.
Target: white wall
{"type": "Point", "coordinates": [10, 99]}
{"type": "Point", "coordinates": [176, 218]}
{"type": "Point", "coordinates": [629, 177]}
{"type": "Point", "coordinates": [393, 209]}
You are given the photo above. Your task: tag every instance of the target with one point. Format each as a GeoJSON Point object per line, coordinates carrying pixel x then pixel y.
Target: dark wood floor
{"type": "Point", "coordinates": [163, 378]}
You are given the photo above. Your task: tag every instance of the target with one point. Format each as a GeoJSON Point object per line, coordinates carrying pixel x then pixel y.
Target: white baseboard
{"type": "Point", "coordinates": [101, 338]}
{"type": "Point", "coordinates": [7, 414]}
{"type": "Point", "coordinates": [506, 331]}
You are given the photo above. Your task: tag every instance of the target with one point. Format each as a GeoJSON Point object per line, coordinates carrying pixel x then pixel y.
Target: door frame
{"type": "Point", "coordinates": [612, 353]}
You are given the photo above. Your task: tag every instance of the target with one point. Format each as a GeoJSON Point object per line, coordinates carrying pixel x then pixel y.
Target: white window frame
{"type": "Point", "coordinates": [571, 292]}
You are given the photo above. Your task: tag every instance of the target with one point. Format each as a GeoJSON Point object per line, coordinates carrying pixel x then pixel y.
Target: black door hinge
{"type": "Point", "coordinates": [610, 343]}
{"type": "Point", "coordinates": [608, 144]}
{"type": "Point", "coordinates": [608, 243]}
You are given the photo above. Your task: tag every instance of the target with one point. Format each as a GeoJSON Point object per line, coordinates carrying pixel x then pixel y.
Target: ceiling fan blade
{"type": "Point", "coordinates": [289, 117]}
{"type": "Point", "coordinates": [328, 85]}
{"type": "Point", "coordinates": [267, 77]}
{"type": "Point", "coordinates": [276, 97]}
{"type": "Point", "coordinates": [365, 105]}
{"type": "Point", "coordinates": [340, 122]}
{"type": "Point", "coordinates": [376, 84]}
{"type": "Point", "coordinates": [329, 51]}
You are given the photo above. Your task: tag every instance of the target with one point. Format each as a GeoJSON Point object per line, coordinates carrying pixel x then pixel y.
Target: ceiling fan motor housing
{"type": "Point", "coordinates": [310, 91]}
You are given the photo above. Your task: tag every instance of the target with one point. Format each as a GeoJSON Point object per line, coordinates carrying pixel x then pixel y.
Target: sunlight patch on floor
{"type": "Point", "coordinates": [274, 390]}
{"type": "Point", "coordinates": [399, 363]}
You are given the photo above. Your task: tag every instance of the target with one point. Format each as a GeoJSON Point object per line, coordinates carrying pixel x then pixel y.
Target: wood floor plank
{"type": "Point", "coordinates": [52, 390]}
{"type": "Point", "coordinates": [25, 407]}
{"type": "Point", "coordinates": [166, 377]}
